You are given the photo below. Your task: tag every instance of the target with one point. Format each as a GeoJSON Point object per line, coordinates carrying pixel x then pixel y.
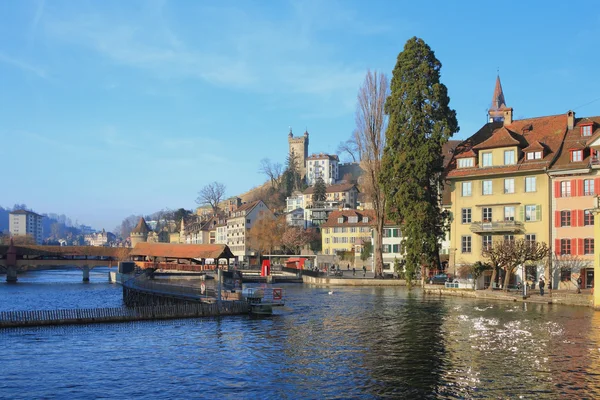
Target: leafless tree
{"type": "Point", "coordinates": [350, 147]}
{"type": "Point", "coordinates": [211, 194]}
{"type": "Point", "coordinates": [568, 262]}
{"type": "Point", "coordinates": [510, 254]}
{"type": "Point", "coordinates": [272, 170]}
{"type": "Point", "coordinates": [369, 136]}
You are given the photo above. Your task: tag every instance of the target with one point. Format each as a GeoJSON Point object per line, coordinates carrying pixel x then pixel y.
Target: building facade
{"type": "Point", "coordinates": [240, 222]}
{"type": "Point", "coordinates": [23, 222]}
{"type": "Point", "coordinates": [341, 194]}
{"type": "Point", "coordinates": [345, 230]}
{"type": "Point", "coordinates": [324, 166]}
{"type": "Point", "coordinates": [299, 150]}
{"type": "Point", "coordinates": [99, 238]}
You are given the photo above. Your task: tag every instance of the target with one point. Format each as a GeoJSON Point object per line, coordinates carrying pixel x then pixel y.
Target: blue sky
{"type": "Point", "coordinates": [114, 108]}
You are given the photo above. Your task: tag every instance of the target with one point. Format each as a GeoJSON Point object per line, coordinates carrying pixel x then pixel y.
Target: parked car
{"type": "Point", "coordinates": [439, 279]}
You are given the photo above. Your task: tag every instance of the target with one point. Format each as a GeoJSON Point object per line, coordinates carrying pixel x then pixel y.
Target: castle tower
{"type": "Point", "coordinates": [140, 232]}
{"type": "Point", "coordinates": [299, 147]}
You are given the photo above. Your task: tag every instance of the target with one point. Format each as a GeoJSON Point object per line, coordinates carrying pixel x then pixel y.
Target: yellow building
{"type": "Point", "coordinates": [345, 230]}
{"type": "Point", "coordinates": [499, 185]}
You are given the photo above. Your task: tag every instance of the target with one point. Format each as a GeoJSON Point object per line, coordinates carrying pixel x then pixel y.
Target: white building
{"type": "Point", "coordinates": [23, 222]}
{"type": "Point", "coordinates": [392, 237]}
{"type": "Point", "coordinates": [295, 218]}
{"type": "Point", "coordinates": [99, 239]}
{"type": "Point", "coordinates": [222, 233]}
{"type": "Point", "coordinates": [240, 222]}
{"type": "Point", "coordinates": [294, 202]}
{"type": "Point", "coordinates": [322, 166]}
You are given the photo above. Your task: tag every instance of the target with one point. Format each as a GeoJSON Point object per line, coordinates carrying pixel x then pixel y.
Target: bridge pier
{"type": "Point", "coordinates": [86, 273]}
{"type": "Point", "coordinates": [11, 274]}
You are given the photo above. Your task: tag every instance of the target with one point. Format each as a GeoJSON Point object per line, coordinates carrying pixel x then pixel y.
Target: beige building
{"type": "Point", "coordinates": [324, 166]}
{"type": "Point", "coordinates": [240, 222]}
{"type": "Point", "coordinates": [23, 222]}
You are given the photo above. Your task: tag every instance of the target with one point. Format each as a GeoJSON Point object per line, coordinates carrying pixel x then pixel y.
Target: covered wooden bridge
{"type": "Point", "coordinates": [181, 257]}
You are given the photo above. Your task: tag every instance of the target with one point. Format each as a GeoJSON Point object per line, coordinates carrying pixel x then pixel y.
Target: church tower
{"type": "Point", "coordinates": [498, 111]}
{"type": "Point", "coordinates": [139, 234]}
{"type": "Point", "coordinates": [299, 147]}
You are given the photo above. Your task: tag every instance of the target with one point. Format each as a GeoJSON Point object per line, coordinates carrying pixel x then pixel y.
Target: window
{"type": "Point", "coordinates": [565, 189]}
{"type": "Point", "coordinates": [466, 189]}
{"type": "Point", "coordinates": [588, 218]}
{"type": "Point", "coordinates": [486, 242]}
{"type": "Point", "coordinates": [487, 214]}
{"type": "Point", "coordinates": [586, 130]}
{"type": "Point", "coordinates": [486, 159]}
{"type": "Point", "coordinates": [365, 219]}
{"type": "Point", "coordinates": [509, 185]}
{"type": "Point", "coordinates": [565, 274]}
{"type": "Point", "coordinates": [486, 187]}
{"type": "Point", "coordinates": [588, 246]}
{"type": "Point", "coordinates": [509, 157]}
{"type": "Point", "coordinates": [588, 187]}
{"type": "Point", "coordinates": [465, 244]}
{"type": "Point", "coordinates": [509, 213]}
{"type": "Point", "coordinates": [576, 155]}
{"type": "Point", "coordinates": [565, 218]}
{"type": "Point", "coordinates": [509, 238]}
{"type": "Point", "coordinates": [531, 213]}
{"type": "Point", "coordinates": [340, 220]}
{"type": "Point", "coordinates": [396, 248]}
{"type": "Point", "coordinates": [466, 215]}
{"type": "Point", "coordinates": [465, 162]}
{"type": "Point", "coordinates": [534, 155]}
{"type": "Point", "coordinates": [326, 240]}
{"type": "Point", "coordinates": [353, 220]}
{"type": "Point", "coordinates": [565, 246]}
{"type": "Point", "coordinates": [396, 232]}
{"type": "Point", "coordinates": [247, 221]}
{"type": "Point", "coordinates": [530, 238]}
{"type": "Point", "coordinates": [530, 184]}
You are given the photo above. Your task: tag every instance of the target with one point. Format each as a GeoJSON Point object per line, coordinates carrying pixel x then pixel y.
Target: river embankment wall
{"type": "Point", "coordinates": [554, 297]}
{"type": "Point", "coordinates": [327, 281]}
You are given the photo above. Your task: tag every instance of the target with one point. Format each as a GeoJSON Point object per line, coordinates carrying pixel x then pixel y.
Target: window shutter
{"type": "Point", "coordinates": [581, 219]}
{"type": "Point", "coordinates": [597, 186]}
{"type": "Point", "coordinates": [556, 189]}
{"type": "Point", "coordinates": [522, 213]}
{"type": "Point", "coordinates": [574, 217]}
{"type": "Point", "coordinates": [538, 212]}
{"type": "Point", "coordinates": [580, 188]}
{"type": "Point", "coordinates": [574, 247]}
{"type": "Point", "coordinates": [556, 219]}
{"type": "Point", "coordinates": [580, 247]}
{"type": "Point", "coordinates": [574, 188]}
{"type": "Point", "coordinates": [557, 246]}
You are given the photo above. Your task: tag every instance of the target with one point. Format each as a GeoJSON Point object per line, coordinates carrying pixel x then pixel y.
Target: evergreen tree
{"type": "Point", "coordinates": [420, 122]}
{"type": "Point", "coordinates": [320, 193]}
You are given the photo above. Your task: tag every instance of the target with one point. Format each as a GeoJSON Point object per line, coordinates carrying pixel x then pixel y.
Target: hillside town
{"type": "Point", "coordinates": [535, 179]}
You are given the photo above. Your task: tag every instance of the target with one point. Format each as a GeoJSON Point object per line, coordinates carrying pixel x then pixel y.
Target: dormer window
{"type": "Point", "coordinates": [586, 130]}
{"type": "Point", "coordinates": [340, 220]}
{"type": "Point", "coordinates": [353, 220]}
{"type": "Point", "coordinates": [534, 155]}
{"type": "Point", "coordinates": [509, 157]}
{"type": "Point", "coordinates": [576, 155]}
{"type": "Point", "coordinates": [466, 162]}
{"type": "Point", "coordinates": [365, 219]}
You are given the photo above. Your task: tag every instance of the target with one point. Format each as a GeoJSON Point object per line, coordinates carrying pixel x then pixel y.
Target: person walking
{"type": "Point", "coordinates": [348, 267]}
{"type": "Point", "coordinates": [542, 284]}
{"type": "Point", "coordinates": [353, 271]}
{"type": "Point", "coordinates": [579, 282]}
{"type": "Point", "coordinates": [364, 271]}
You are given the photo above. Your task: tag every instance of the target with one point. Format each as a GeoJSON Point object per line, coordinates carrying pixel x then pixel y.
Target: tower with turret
{"type": "Point", "coordinates": [299, 148]}
{"type": "Point", "coordinates": [139, 234]}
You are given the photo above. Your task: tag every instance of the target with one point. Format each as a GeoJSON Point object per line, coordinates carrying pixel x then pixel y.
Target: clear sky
{"type": "Point", "coordinates": [112, 108]}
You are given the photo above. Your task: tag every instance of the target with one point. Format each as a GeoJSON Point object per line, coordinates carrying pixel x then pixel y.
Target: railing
{"type": "Point", "coordinates": [10, 319]}
{"type": "Point", "coordinates": [497, 226]}
{"type": "Point", "coordinates": [192, 292]}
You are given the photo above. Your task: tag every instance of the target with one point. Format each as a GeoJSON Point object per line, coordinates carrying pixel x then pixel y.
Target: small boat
{"type": "Point", "coordinates": [262, 300]}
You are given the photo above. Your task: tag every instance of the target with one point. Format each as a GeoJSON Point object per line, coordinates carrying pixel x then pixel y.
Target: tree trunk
{"type": "Point", "coordinates": [507, 279]}
{"type": "Point", "coordinates": [494, 273]}
{"type": "Point", "coordinates": [378, 248]}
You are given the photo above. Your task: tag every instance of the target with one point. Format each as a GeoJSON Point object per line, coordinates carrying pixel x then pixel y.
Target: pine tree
{"type": "Point", "coordinates": [320, 193]}
{"type": "Point", "coordinates": [420, 123]}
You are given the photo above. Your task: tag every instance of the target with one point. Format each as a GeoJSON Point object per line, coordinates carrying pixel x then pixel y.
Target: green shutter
{"type": "Point", "coordinates": [538, 212]}
{"type": "Point", "coordinates": [522, 213]}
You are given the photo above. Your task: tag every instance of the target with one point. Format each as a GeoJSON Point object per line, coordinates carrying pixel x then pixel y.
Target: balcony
{"type": "Point", "coordinates": [496, 226]}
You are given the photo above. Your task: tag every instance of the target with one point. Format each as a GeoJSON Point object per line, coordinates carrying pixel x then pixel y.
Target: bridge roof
{"type": "Point", "coordinates": [117, 252]}
{"type": "Point", "coordinates": [189, 251]}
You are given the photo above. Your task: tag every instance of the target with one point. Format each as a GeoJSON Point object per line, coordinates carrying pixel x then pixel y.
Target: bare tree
{"type": "Point", "coordinates": [349, 147]}
{"type": "Point", "coordinates": [511, 254]}
{"type": "Point", "coordinates": [369, 136]}
{"type": "Point", "coordinates": [568, 262]}
{"type": "Point", "coordinates": [211, 194]}
{"type": "Point", "coordinates": [272, 170]}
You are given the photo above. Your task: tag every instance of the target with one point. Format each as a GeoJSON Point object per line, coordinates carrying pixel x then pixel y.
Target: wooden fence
{"type": "Point", "coordinates": [10, 319]}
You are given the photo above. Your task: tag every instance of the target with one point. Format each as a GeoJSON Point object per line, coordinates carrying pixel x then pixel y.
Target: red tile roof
{"type": "Point", "coordinates": [332, 220]}
{"type": "Point", "coordinates": [534, 146]}
{"type": "Point", "coordinates": [187, 251]}
{"type": "Point", "coordinates": [549, 130]}
{"type": "Point", "coordinates": [141, 227]}
{"type": "Point", "coordinates": [336, 188]}
{"type": "Point", "coordinates": [574, 140]}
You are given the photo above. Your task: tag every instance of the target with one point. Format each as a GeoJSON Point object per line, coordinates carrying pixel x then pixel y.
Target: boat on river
{"type": "Point", "coordinates": [262, 299]}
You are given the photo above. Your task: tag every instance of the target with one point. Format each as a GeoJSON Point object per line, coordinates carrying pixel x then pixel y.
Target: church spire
{"type": "Point", "coordinates": [498, 111]}
{"type": "Point", "coordinates": [498, 97]}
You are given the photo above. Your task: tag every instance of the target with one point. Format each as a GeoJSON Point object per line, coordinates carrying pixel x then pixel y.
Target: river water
{"type": "Point", "coordinates": [352, 344]}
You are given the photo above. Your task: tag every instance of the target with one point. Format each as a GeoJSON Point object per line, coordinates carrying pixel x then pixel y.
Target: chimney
{"type": "Point", "coordinates": [571, 119]}
{"type": "Point", "coordinates": [508, 116]}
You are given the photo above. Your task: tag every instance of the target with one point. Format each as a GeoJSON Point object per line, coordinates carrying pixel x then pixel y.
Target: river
{"type": "Point", "coordinates": [356, 343]}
